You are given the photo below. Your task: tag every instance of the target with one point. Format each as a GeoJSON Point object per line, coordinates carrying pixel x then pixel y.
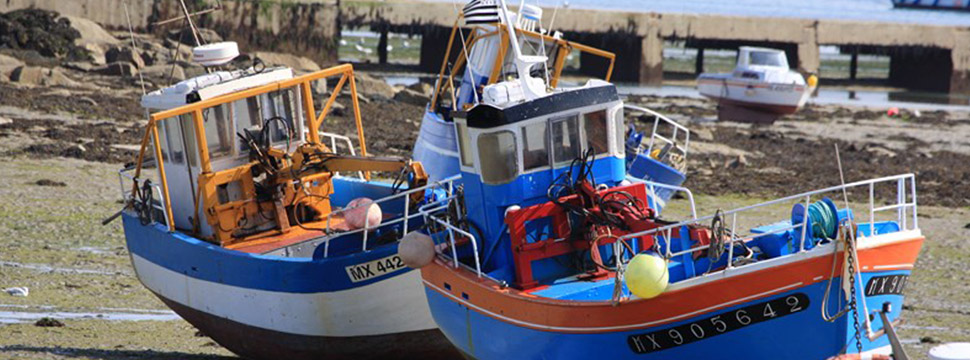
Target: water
{"type": "Point", "coordinates": [35, 313]}
{"type": "Point", "coordinates": [874, 99]}
{"type": "Point", "coordinates": [864, 10]}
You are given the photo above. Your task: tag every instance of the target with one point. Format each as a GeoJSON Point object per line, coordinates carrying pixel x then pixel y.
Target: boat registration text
{"type": "Point", "coordinates": [715, 325]}
{"type": "Point", "coordinates": [372, 269]}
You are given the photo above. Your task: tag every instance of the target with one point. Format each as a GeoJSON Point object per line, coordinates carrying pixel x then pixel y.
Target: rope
{"type": "Point", "coordinates": [824, 222]}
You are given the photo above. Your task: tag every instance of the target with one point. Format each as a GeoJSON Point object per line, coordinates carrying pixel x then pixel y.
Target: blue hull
{"type": "Point", "coordinates": [798, 335]}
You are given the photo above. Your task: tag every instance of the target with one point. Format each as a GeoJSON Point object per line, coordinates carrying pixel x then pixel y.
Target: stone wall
{"type": "Point", "coordinates": [308, 28]}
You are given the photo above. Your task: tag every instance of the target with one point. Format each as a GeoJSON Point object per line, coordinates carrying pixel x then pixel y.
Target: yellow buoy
{"type": "Point", "coordinates": [646, 275]}
{"type": "Point", "coordinates": [812, 81]}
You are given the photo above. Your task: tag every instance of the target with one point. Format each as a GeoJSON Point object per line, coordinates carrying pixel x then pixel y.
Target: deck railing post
{"type": "Point", "coordinates": [734, 223]}
{"type": "Point", "coordinates": [872, 207]}
{"type": "Point", "coordinates": [407, 213]}
{"type": "Point", "coordinates": [805, 221]}
{"type": "Point", "coordinates": [366, 225]}
{"type": "Point", "coordinates": [912, 184]}
{"type": "Point", "coordinates": [901, 202]}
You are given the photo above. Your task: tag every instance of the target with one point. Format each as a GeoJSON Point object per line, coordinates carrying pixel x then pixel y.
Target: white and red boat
{"type": "Point", "coordinates": [761, 81]}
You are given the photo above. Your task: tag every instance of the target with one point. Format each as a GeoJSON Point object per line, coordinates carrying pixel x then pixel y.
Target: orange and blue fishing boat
{"type": "Point", "coordinates": [548, 249]}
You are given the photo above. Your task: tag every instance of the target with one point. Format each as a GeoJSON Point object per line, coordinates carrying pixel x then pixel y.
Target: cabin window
{"type": "Point", "coordinates": [187, 123]}
{"type": "Point", "coordinates": [619, 131]}
{"type": "Point", "coordinates": [565, 139]}
{"type": "Point", "coordinates": [536, 152]}
{"type": "Point", "coordinates": [765, 58]}
{"type": "Point", "coordinates": [171, 138]}
{"type": "Point", "coordinates": [498, 154]}
{"type": "Point", "coordinates": [464, 145]}
{"type": "Point", "coordinates": [218, 130]}
{"type": "Point", "coordinates": [595, 130]}
{"type": "Point", "coordinates": [282, 105]}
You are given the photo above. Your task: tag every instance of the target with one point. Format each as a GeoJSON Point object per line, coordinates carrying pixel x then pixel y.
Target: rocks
{"type": "Point", "coordinates": [27, 75]}
{"type": "Point", "coordinates": [422, 88]}
{"type": "Point", "coordinates": [297, 63]}
{"type": "Point", "coordinates": [738, 162]}
{"type": "Point", "coordinates": [124, 54]}
{"type": "Point", "coordinates": [90, 32]}
{"type": "Point", "coordinates": [48, 322]}
{"type": "Point", "coordinates": [162, 73]}
{"type": "Point", "coordinates": [373, 87]}
{"type": "Point", "coordinates": [8, 64]}
{"type": "Point", "coordinates": [42, 31]}
{"type": "Point", "coordinates": [31, 75]}
{"type": "Point", "coordinates": [412, 97]}
{"type": "Point", "coordinates": [118, 69]}
{"type": "Point", "coordinates": [184, 36]}
{"type": "Point", "coordinates": [5, 121]}
{"type": "Point", "coordinates": [702, 133]}
{"type": "Point", "coordinates": [75, 151]}
{"type": "Point", "coordinates": [48, 182]}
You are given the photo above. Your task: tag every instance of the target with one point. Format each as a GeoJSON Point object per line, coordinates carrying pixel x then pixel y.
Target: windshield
{"type": "Point", "coordinates": [767, 58]}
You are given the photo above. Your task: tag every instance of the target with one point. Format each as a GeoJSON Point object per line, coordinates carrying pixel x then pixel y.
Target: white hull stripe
{"type": "Point", "coordinates": [394, 305]}
{"type": "Point", "coordinates": [610, 328]}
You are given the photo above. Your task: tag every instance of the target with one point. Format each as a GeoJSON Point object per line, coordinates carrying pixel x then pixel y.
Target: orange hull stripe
{"type": "Point", "coordinates": [512, 305]}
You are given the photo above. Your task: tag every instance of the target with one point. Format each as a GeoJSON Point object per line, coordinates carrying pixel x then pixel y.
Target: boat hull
{"type": "Point", "coordinates": [702, 318]}
{"type": "Point", "coordinates": [267, 307]}
{"type": "Point", "coordinates": [780, 99]}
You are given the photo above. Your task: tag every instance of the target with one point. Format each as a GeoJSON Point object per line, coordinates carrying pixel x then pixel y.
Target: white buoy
{"type": "Point", "coordinates": [215, 54]}
{"type": "Point", "coordinates": [363, 211]}
{"type": "Point", "coordinates": [951, 351]}
{"type": "Point", "coordinates": [416, 250]}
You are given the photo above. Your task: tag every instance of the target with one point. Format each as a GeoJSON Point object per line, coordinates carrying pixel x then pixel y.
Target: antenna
{"type": "Point", "coordinates": [134, 49]}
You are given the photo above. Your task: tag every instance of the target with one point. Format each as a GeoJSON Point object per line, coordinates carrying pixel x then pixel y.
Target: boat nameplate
{"type": "Point", "coordinates": [372, 269]}
{"type": "Point", "coordinates": [718, 324]}
{"type": "Point", "coordinates": [886, 285]}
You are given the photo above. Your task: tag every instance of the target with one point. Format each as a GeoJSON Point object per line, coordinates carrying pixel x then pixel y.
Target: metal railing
{"type": "Point", "coordinates": [407, 216]}
{"type": "Point", "coordinates": [673, 139]}
{"type": "Point", "coordinates": [902, 205]}
{"type": "Point", "coordinates": [652, 192]}
{"type": "Point", "coordinates": [127, 195]}
{"type": "Point", "coordinates": [333, 139]}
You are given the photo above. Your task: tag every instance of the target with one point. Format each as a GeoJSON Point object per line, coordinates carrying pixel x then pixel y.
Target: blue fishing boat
{"type": "Point", "coordinates": [258, 231]}
{"type": "Point", "coordinates": [483, 58]}
{"type": "Point", "coordinates": [546, 249]}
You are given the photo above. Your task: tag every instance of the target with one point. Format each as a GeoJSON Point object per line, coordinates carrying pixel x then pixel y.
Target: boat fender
{"type": "Point", "coordinates": [646, 275]}
{"type": "Point", "coordinates": [363, 211]}
{"type": "Point", "coordinates": [812, 81]}
{"type": "Point", "coordinates": [416, 250]}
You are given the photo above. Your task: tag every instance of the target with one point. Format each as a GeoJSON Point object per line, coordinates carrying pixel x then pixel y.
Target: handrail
{"type": "Point", "coordinates": [901, 179]}
{"type": "Point", "coordinates": [652, 185]}
{"type": "Point", "coordinates": [128, 196]}
{"type": "Point", "coordinates": [407, 215]}
{"type": "Point", "coordinates": [563, 45]}
{"type": "Point", "coordinates": [655, 135]}
{"type": "Point", "coordinates": [333, 146]}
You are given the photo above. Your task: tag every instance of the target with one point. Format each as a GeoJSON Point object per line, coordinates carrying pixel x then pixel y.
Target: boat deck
{"type": "Point", "coordinates": [296, 235]}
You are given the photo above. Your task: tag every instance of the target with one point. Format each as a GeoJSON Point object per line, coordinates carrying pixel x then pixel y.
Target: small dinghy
{"type": "Point", "coordinates": [545, 248]}
{"type": "Point", "coordinates": [267, 233]}
{"type": "Point", "coordinates": [761, 82]}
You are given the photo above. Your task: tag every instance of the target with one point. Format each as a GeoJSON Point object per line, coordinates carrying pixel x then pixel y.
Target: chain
{"type": "Point", "coordinates": [853, 306]}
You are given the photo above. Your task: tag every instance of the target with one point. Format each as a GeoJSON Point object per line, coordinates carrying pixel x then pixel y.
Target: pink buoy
{"type": "Point", "coordinates": [893, 112]}
{"type": "Point", "coordinates": [361, 210]}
